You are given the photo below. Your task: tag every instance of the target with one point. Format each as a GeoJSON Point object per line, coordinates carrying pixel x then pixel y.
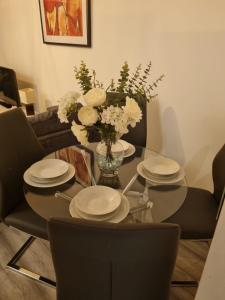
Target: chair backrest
{"type": "Point", "coordinates": [19, 149]}
{"type": "Point", "coordinates": [8, 85]}
{"type": "Point", "coordinates": [112, 261]}
{"type": "Point", "coordinates": [136, 136]}
{"type": "Point", "coordinates": [218, 172]}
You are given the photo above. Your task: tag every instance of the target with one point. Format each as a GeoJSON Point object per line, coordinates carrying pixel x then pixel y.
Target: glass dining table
{"type": "Point", "coordinates": [165, 198]}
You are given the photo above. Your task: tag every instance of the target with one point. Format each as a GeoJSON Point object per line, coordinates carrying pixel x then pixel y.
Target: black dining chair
{"type": "Point", "coordinates": [9, 92]}
{"type": "Point", "coordinates": [19, 149]}
{"type": "Point", "coordinates": [199, 213]}
{"type": "Point", "coordinates": [103, 261]}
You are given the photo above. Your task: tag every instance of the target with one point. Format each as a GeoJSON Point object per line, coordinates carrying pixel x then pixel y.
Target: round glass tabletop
{"type": "Point", "coordinates": [150, 201]}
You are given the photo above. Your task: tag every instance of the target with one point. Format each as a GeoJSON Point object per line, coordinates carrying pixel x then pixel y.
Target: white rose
{"type": "Point", "coordinates": [80, 133]}
{"type": "Point", "coordinates": [132, 111]}
{"type": "Point", "coordinates": [88, 115]}
{"type": "Point", "coordinates": [95, 97]}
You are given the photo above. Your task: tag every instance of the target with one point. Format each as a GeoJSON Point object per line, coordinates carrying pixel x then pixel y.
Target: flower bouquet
{"type": "Point", "coordinates": [110, 112]}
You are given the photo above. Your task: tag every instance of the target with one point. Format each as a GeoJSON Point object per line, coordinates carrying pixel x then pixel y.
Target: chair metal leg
{"type": "Point", "coordinates": [14, 267]}
{"type": "Point", "coordinates": [184, 283]}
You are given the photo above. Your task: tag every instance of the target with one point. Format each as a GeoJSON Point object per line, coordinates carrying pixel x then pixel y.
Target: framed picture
{"type": "Point", "coordinates": [66, 22]}
{"type": "Point", "coordinates": [74, 156]}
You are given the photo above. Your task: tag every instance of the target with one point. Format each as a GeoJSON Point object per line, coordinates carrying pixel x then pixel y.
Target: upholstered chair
{"type": "Point", "coordinates": [8, 88]}
{"type": "Point", "coordinates": [106, 261]}
{"type": "Point", "coordinates": [200, 211]}
{"type": "Point", "coordinates": [198, 215]}
{"type": "Point", "coordinates": [19, 150]}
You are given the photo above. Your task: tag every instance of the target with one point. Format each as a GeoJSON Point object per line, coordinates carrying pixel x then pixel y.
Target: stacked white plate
{"type": "Point", "coordinates": [99, 203]}
{"type": "Point", "coordinates": [49, 173]}
{"type": "Point", "coordinates": [128, 148]}
{"type": "Point", "coordinates": [160, 169]}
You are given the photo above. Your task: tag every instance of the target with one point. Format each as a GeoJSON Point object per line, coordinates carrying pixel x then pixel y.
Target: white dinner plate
{"type": "Point", "coordinates": [49, 168]}
{"type": "Point", "coordinates": [130, 151]}
{"type": "Point", "coordinates": [62, 179]}
{"type": "Point", "coordinates": [115, 217]}
{"type": "Point", "coordinates": [97, 200]}
{"type": "Point", "coordinates": [141, 171]}
{"type": "Point", "coordinates": [161, 165]}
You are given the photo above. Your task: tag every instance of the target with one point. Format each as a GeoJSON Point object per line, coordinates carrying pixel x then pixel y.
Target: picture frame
{"type": "Point", "coordinates": [66, 22]}
{"type": "Point", "coordinates": [74, 156]}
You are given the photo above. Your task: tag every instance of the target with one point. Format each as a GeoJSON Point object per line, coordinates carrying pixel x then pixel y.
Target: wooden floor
{"type": "Point", "coordinates": [190, 263]}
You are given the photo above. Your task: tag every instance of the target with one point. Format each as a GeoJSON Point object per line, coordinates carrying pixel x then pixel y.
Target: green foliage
{"type": "Point", "coordinates": [135, 85]}
{"type": "Point", "coordinates": [86, 80]}
{"type": "Point", "coordinates": [95, 82]}
{"type": "Point", "coordinates": [124, 76]}
{"type": "Point", "coordinates": [83, 76]}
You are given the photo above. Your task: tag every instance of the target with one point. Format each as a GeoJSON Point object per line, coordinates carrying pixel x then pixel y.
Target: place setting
{"type": "Point", "coordinates": [49, 173]}
{"type": "Point", "coordinates": [100, 203]}
{"type": "Point", "coordinates": [160, 170]}
{"type": "Point", "coordinates": [128, 148]}
{"type": "Point", "coordinates": [103, 203]}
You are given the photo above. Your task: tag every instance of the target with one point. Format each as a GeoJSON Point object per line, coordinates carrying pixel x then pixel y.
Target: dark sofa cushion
{"type": "Point", "coordinates": [52, 134]}
{"type": "Point", "coordinates": [47, 122]}
{"type": "Point", "coordinates": [57, 140]}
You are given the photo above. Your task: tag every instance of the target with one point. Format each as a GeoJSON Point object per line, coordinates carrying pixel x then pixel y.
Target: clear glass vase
{"type": "Point", "coordinates": [109, 158]}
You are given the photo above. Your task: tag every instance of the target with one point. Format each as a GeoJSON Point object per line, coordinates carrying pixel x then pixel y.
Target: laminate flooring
{"type": "Point", "coordinates": [13, 286]}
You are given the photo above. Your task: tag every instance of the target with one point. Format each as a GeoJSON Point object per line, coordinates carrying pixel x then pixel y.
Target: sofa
{"type": "Point", "coordinates": [52, 134]}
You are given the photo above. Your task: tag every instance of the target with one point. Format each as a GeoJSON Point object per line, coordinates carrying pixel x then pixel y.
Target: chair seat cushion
{"type": "Point", "coordinates": [197, 215]}
{"type": "Point", "coordinates": [24, 218]}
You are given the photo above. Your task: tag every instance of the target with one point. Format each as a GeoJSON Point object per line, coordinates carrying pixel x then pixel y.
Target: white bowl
{"type": "Point", "coordinates": [114, 217]}
{"type": "Point", "coordinates": [161, 166]}
{"type": "Point", "coordinates": [46, 184]}
{"type": "Point", "coordinates": [49, 168]}
{"type": "Point", "coordinates": [119, 146]}
{"type": "Point", "coordinates": [163, 179]}
{"type": "Point", "coordinates": [125, 144]}
{"type": "Point", "coordinates": [97, 200]}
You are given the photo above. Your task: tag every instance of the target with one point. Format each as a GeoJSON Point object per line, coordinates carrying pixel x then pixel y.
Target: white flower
{"type": "Point", "coordinates": [65, 105]}
{"type": "Point", "coordinates": [88, 115]}
{"type": "Point", "coordinates": [111, 114]}
{"type": "Point", "coordinates": [80, 133]}
{"type": "Point", "coordinates": [121, 126]}
{"type": "Point", "coordinates": [115, 116]}
{"type": "Point", "coordinates": [95, 97]}
{"type": "Point", "coordinates": [132, 111]}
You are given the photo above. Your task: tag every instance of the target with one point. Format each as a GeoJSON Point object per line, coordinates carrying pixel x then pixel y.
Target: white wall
{"type": "Point", "coordinates": [184, 39]}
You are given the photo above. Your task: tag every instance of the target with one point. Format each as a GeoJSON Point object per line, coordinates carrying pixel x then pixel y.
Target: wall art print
{"type": "Point", "coordinates": [66, 22]}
